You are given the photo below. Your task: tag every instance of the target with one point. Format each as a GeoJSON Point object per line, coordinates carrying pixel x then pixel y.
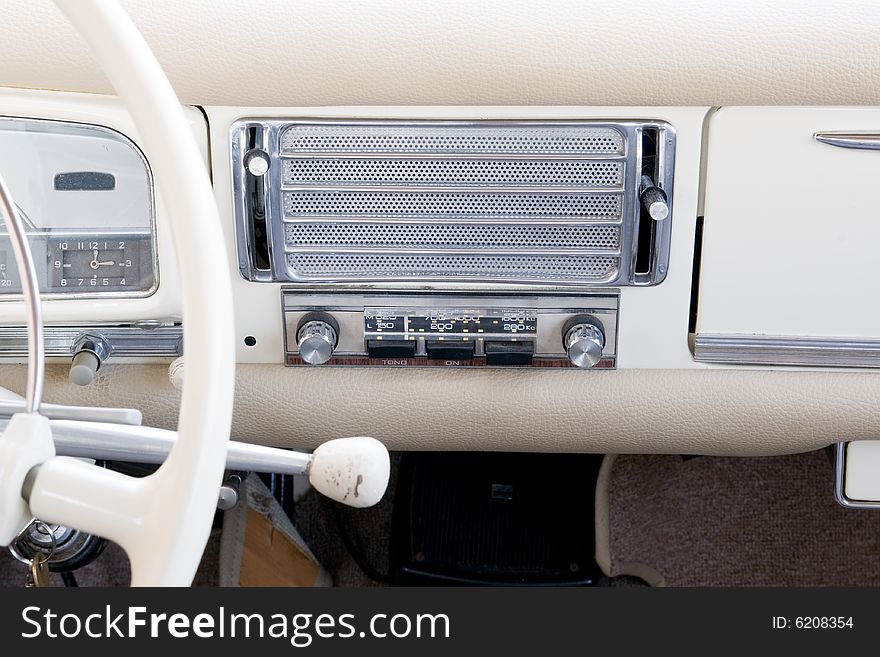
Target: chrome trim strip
{"type": "Point", "coordinates": [840, 482]}
{"type": "Point", "coordinates": [124, 341]}
{"type": "Point", "coordinates": [784, 350]}
{"type": "Point", "coordinates": [864, 141]}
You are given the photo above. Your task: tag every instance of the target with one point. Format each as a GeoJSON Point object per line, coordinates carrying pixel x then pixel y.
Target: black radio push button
{"type": "Point", "coordinates": [391, 348]}
{"type": "Point", "coordinates": [450, 350]}
{"type": "Point", "coordinates": [518, 352]}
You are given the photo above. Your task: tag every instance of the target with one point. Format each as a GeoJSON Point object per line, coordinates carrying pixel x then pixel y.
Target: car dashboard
{"type": "Point", "coordinates": [513, 239]}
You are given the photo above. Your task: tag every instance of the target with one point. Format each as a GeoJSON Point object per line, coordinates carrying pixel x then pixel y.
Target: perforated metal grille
{"type": "Point", "coordinates": [443, 204]}
{"type": "Point", "coordinates": [456, 200]}
{"type": "Point", "coordinates": [453, 172]}
{"type": "Point", "coordinates": [451, 236]}
{"type": "Point", "coordinates": [360, 138]}
{"type": "Point", "coordinates": [342, 266]}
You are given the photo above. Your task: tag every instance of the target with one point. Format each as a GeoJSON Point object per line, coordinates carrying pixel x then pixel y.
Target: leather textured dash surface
{"type": "Point", "coordinates": [461, 52]}
{"type": "Point", "coordinates": [723, 412]}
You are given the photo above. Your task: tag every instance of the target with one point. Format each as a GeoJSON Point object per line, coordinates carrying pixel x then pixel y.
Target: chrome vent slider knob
{"type": "Point", "coordinates": [317, 336]}
{"type": "Point", "coordinates": [653, 199]}
{"type": "Point", "coordinates": [584, 339]}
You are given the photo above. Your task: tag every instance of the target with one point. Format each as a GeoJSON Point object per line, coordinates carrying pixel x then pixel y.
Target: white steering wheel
{"type": "Point", "coordinates": [163, 520]}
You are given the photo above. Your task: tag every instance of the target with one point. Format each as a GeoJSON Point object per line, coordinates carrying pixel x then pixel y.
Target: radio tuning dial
{"type": "Point", "coordinates": [317, 337]}
{"type": "Point", "coordinates": [584, 340]}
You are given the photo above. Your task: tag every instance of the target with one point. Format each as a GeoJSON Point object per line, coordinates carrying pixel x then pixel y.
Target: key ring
{"type": "Point", "coordinates": [44, 557]}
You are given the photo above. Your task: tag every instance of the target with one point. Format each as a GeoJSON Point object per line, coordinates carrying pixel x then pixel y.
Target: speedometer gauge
{"type": "Point", "coordinates": [107, 263]}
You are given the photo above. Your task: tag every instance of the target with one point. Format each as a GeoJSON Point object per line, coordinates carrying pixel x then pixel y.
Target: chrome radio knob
{"type": "Point", "coordinates": [317, 336]}
{"type": "Point", "coordinates": [584, 340]}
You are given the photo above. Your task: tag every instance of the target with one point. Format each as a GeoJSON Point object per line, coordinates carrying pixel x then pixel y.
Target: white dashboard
{"type": "Point", "coordinates": [760, 202]}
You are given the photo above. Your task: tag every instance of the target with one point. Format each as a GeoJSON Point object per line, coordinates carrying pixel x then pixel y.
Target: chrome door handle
{"type": "Point", "coordinates": [863, 141]}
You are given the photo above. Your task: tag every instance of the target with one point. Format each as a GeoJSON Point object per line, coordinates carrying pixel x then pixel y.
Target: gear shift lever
{"type": "Point", "coordinates": [353, 471]}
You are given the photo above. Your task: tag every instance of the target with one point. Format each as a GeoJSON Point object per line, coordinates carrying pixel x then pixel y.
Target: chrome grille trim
{"type": "Point", "coordinates": [390, 202]}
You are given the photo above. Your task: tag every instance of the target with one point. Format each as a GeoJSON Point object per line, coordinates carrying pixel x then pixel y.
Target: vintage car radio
{"type": "Point", "coordinates": [461, 330]}
{"type": "Point", "coordinates": [458, 243]}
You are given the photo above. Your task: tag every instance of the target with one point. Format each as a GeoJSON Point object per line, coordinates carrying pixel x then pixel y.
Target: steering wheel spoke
{"type": "Point", "coordinates": [25, 443]}
{"type": "Point", "coordinates": [142, 516]}
{"type": "Point", "coordinates": [74, 493]}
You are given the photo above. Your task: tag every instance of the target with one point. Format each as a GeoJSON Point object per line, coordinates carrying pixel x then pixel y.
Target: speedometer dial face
{"type": "Point", "coordinates": [9, 280]}
{"type": "Point", "coordinates": [113, 263]}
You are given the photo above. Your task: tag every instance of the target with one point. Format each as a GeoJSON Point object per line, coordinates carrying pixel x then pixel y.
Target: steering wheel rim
{"type": "Point", "coordinates": [162, 521]}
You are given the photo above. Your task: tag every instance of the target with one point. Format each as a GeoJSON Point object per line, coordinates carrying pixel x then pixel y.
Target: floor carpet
{"type": "Point", "coordinates": [711, 521]}
{"type": "Point", "coordinates": [706, 521]}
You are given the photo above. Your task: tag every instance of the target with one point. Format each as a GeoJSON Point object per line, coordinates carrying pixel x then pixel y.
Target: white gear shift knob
{"type": "Point", "coordinates": [353, 471]}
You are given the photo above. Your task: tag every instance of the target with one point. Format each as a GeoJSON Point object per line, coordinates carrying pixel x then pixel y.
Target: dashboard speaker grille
{"type": "Point", "coordinates": [425, 236]}
{"type": "Point", "coordinates": [450, 137]}
{"type": "Point", "coordinates": [479, 267]}
{"type": "Point", "coordinates": [473, 201]}
{"type": "Point", "coordinates": [453, 172]}
{"type": "Point", "coordinates": [602, 207]}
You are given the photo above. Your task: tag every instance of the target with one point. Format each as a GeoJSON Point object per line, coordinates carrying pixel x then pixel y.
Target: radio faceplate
{"type": "Point", "coordinates": [461, 330]}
